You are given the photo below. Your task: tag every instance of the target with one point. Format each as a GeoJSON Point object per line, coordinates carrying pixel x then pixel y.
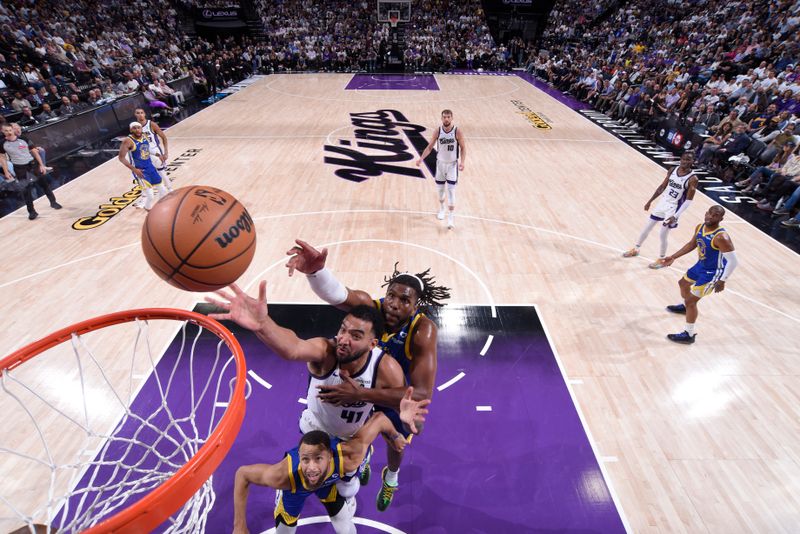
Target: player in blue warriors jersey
{"type": "Point", "coordinates": [716, 262]}
{"type": "Point", "coordinates": [314, 467]}
{"type": "Point", "coordinates": [410, 338]}
{"type": "Point", "coordinates": [134, 153]}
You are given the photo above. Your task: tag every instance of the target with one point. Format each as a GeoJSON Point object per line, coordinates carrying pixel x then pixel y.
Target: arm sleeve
{"type": "Point", "coordinates": [327, 287]}
{"type": "Point", "coordinates": [730, 266]}
{"type": "Point", "coordinates": [684, 207]}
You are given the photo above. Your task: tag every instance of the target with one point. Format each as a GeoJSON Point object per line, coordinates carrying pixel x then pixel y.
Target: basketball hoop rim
{"type": "Point", "coordinates": [155, 507]}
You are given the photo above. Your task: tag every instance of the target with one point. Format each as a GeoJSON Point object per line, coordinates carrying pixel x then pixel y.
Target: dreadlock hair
{"type": "Point", "coordinates": [429, 294]}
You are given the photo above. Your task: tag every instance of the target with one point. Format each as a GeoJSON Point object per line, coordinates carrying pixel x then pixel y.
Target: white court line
{"type": "Point", "coordinates": [498, 221]}
{"type": "Point", "coordinates": [65, 264]}
{"type": "Point", "coordinates": [302, 401]}
{"type": "Point", "coordinates": [329, 142]}
{"type": "Point", "coordinates": [407, 243]}
{"type": "Point", "coordinates": [483, 408]}
{"type": "Point", "coordinates": [452, 381]}
{"type": "Point", "coordinates": [606, 477]}
{"type": "Point", "coordinates": [575, 381]}
{"type": "Point", "coordinates": [220, 404]}
{"type": "Point", "coordinates": [609, 459]}
{"type": "Point", "coordinates": [258, 379]}
{"type": "Point", "coordinates": [487, 344]}
{"type": "Point", "coordinates": [381, 527]}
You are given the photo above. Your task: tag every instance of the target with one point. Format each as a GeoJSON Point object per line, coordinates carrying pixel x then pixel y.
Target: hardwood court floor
{"type": "Point", "coordinates": [703, 438]}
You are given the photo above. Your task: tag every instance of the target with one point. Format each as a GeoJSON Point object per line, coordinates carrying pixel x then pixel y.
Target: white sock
{"type": "Point", "coordinates": [391, 477]}
{"type": "Point", "coordinates": [645, 232]}
{"type": "Point", "coordinates": [664, 235]}
{"type": "Point", "coordinates": [149, 198]}
{"type": "Point", "coordinates": [689, 328]}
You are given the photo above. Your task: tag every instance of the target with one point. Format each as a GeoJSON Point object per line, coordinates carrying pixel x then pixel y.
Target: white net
{"type": "Point", "coordinates": [94, 425]}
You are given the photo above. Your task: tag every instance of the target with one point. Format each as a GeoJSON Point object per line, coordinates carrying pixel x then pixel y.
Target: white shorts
{"type": "Point", "coordinates": [664, 210]}
{"type": "Point", "coordinates": [447, 171]}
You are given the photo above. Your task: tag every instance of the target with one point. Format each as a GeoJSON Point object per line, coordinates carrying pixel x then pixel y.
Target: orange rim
{"type": "Point", "coordinates": [155, 507]}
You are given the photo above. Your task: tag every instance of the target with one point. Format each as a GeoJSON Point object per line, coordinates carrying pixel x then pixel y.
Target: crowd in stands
{"type": "Point", "coordinates": [345, 36]}
{"type": "Point", "coordinates": [58, 58]}
{"type": "Point", "coordinates": [729, 70]}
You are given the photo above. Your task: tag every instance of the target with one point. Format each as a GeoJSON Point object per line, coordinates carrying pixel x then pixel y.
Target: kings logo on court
{"type": "Point", "coordinates": [384, 141]}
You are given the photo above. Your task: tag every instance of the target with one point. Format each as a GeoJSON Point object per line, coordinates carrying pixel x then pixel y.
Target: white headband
{"type": "Point", "coordinates": [418, 279]}
{"type": "Point", "coordinates": [134, 124]}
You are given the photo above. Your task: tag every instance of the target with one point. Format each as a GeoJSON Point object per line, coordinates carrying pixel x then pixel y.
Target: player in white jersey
{"type": "Point", "coordinates": [353, 353]}
{"type": "Point", "coordinates": [451, 153]}
{"type": "Point", "coordinates": [159, 148]}
{"type": "Point", "coordinates": [677, 192]}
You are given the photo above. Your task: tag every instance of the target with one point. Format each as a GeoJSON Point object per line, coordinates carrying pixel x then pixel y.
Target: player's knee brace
{"type": "Point", "coordinates": [451, 194]}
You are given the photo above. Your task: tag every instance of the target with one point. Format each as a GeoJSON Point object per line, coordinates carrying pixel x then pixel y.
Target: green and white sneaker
{"type": "Point", "coordinates": [386, 494]}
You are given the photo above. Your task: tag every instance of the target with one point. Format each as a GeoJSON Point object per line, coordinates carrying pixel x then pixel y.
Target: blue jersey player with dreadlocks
{"type": "Point", "coordinates": [410, 338]}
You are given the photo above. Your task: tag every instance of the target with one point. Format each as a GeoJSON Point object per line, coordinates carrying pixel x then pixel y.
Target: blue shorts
{"type": "Point", "coordinates": [288, 505]}
{"type": "Point", "coordinates": [702, 279]}
{"type": "Point", "coordinates": [151, 176]}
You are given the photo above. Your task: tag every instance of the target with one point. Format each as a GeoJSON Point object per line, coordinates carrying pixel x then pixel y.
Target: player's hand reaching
{"type": "Point", "coordinates": [396, 441]}
{"type": "Point", "coordinates": [666, 262]}
{"type": "Point", "coordinates": [411, 411]}
{"type": "Point", "coordinates": [671, 220]}
{"type": "Point", "coordinates": [719, 286]}
{"type": "Point", "coordinates": [240, 307]}
{"type": "Point", "coordinates": [419, 162]}
{"type": "Point", "coordinates": [305, 258]}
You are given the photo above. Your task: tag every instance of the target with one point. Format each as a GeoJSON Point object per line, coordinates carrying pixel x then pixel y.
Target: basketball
{"type": "Point", "coordinates": [199, 238]}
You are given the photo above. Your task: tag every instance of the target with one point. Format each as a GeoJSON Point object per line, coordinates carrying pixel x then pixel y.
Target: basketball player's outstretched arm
{"type": "Point", "coordinates": [356, 447]}
{"type": "Point", "coordinates": [685, 249]}
{"type": "Point", "coordinates": [270, 475]}
{"type": "Point", "coordinates": [311, 262]}
{"type": "Point", "coordinates": [253, 314]}
{"type": "Point", "coordinates": [431, 144]}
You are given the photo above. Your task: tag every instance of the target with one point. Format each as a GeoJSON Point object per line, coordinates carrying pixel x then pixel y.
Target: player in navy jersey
{"type": "Point", "coordinates": [315, 466]}
{"type": "Point", "coordinates": [716, 262]}
{"type": "Point", "coordinates": [451, 153]}
{"type": "Point", "coordinates": [410, 338]}
{"type": "Point", "coordinates": [134, 153]}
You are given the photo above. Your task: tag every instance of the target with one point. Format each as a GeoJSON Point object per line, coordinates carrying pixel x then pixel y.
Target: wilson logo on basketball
{"type": "Point", "coordinates": [243, 224]}
{"type": "Point", "coordinates": [381, 147]}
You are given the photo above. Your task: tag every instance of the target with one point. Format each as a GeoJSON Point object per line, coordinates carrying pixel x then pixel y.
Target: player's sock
{"type": "Point", "coordinates": [689, 328]}
{"type": "Point", "coordinates": [440, 215]}
{"type": "Point", "coordinates": [664, 235]}
{"type": "Point", "coordinates": [390, 477]}
{"type": "Point", "coordinates": [645, 232]}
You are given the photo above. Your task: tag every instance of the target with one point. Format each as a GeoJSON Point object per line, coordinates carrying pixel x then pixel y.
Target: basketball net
{"type": "Point", "coordinates": [393, 19]}
{"type": "Point", "coordinates": [91, 446]}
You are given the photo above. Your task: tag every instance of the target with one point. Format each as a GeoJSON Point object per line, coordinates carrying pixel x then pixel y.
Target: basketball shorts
{"type": "Point", "coordinates": [288, 505]}
{"type": "Point", "coordinates": [447, 171]}
{"type": "Point", "coordinates": [663, 211]}
{"type": "Point", "coordinates": [702, 280]}
{"type": "Point", "coordinates": [151, 176]}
